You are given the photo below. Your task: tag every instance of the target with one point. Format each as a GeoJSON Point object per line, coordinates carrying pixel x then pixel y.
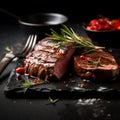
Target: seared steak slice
{"type": "Point", "coordinates": [47, 61]}
{"type": "Point", "coordinates": [97, 65]}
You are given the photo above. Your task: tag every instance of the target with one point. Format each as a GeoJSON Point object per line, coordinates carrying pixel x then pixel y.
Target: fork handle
{"type": "Point", "coordinates": [5, 61]}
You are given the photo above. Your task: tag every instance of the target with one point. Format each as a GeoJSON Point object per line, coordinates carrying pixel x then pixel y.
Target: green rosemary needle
{"type": "Point", "coordinates": [97, 63]}
{"type": "Point", "coordinates": [52, 101]}
{"type": "Point", "coordinates": [27, 84]}
{"type": "Point", "coordinates": [68, 36]}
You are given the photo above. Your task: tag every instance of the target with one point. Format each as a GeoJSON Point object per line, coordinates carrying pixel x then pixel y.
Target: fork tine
{"type": "Point", "coordinates": [29, 44]}
{"type": "Point", "coordinates": [33, 43]}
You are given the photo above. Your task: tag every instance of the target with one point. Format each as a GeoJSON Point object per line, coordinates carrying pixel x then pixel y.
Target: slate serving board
{"type": "Point", "coordinates": [71, 86]}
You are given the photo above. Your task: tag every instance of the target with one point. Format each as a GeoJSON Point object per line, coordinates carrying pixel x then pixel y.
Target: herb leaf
{"type": "Point", "coordinates": [67, 36]}
{"type": "Point", "coordinates": [96, 63]}
{"type": "Point", "coordinates": [27, 84]}
{"type": "Point", "coordinates": [52, 101]}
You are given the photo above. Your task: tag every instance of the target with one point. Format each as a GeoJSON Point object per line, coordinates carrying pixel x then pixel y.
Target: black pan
{"type": "Point", "coordinates": [39, 23]}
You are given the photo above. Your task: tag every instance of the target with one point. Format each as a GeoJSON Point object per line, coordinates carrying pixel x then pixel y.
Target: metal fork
{"type": "Point", "coordinates": [29, 45]}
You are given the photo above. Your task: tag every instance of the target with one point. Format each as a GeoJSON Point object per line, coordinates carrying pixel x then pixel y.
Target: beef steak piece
{"type": "Point", "coordinates": [47, 61]}
{"type": "Point", "coordinates": [97, 66]}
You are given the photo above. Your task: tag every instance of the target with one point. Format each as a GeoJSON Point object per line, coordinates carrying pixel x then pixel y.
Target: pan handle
{"type": "Point", "coordinates": [9, 14]}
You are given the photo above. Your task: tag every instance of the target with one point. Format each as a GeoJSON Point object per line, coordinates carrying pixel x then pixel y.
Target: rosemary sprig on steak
{"type": "Point", "coordinates": [68, 36]}
{"type": "Point", "coordinates": [96, 63]}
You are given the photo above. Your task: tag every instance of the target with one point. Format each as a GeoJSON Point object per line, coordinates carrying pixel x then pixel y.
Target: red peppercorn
{"type": "Point", "coordinates": [88, 58]}
{"type": "Point", "coordinates": [82, 57]}
{"type": "Point", "coordinates": [20, 70]}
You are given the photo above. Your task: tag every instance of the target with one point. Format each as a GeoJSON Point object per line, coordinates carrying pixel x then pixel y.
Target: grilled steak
{"type": "Point", "coordinates": [47, 61]}
{"type": "Point", "coordinates": [97, 66]}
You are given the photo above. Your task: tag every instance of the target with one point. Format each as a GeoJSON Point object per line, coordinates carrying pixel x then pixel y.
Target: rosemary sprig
{"type": "Point", "coordinates": [52, 101]}
{"type": "Point", "coordinates": [8, 49]}
{"type": "Point", "coordinates": [96, 63]}
{"type": "Point", "coordinates": [68, 36]}
{"type": "Point", "coordinates": [27, 84]}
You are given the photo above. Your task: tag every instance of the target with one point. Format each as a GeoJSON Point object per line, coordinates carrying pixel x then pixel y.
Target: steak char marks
{"type": "Point", "coordinates": [97, 66]}
{"type": "Point", "coordinates": [47, 61]}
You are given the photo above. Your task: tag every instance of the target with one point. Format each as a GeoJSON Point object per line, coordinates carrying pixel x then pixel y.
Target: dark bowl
{"type": "Point", "coordinates": [107, 38]}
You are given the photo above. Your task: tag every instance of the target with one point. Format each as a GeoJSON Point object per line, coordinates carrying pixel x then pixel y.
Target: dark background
{"type": "Point", "coordinates": [75, 9]}
{"type": "Point", "coordinates": [64, 109]}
